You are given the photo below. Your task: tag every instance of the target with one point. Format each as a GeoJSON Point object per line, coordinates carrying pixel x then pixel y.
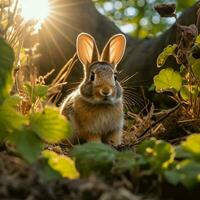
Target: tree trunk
{"type": "Point", "coordinates": [69, 18]}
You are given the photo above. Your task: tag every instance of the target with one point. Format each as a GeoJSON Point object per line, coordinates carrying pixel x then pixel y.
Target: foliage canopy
{"type": "Point", "coordinates": [137, 17]}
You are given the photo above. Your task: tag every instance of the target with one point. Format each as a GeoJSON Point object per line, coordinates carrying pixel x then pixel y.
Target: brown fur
{"type": "Point", "coordinates": [98, 121]}
{"type": "Point", "coordinates": [95, 109]}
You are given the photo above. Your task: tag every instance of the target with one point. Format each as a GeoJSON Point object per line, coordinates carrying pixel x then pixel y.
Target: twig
{"type": "Point", "coordinates": [158, 121]}
{"type": "Point", "coordinates": [175, 140]}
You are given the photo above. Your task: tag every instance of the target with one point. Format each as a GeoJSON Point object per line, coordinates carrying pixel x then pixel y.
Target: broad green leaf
{"type": "Point", "coordinates": [36, 91]}
{"type": "Point", "coordinates": [11, 101]}
{"type": "Point", "coordinates": [157, 153]}
{"type": "Point", "coordinates": [28, 144]}
{"type": "Point", "coordinates": [50, 125]}
{"type": "Point", "coordinates": [6, 63]}
{"type": "Point", "coordinates": [94, 157]}
{"type": "Point", "coordinates": [181, 153]}
{"type": "Point", "coordinates": [186, 171]}
{"type": "Point", "coordinates": [172, 177]}
{"type": "Point", "coordinates": [189, 171]}
{"type": "Point", "coordinates": [10, 118]}
{"type": "Point", "coordinates": [168, 80]}
{"type": "Point", "coordinates": [187, 92]}
{"type": "Point", "coordinates": [46, 172]}
{"type": "Point", "coordinates": [125, 161]}
{"type": "Point", "coordinates": [146, 144]}
{"type": "Point", "coordinates": [41, 90]}
{"type": "Point", "coordinates": [192, 145]}
{"type": "Point", "coordinates": [197, 41]}
{"type": "Point", "coordinates": [182, 68]}
{"type": "Point", "coordinates": [196, 69]}
{"type": "Point", "coordinates": [164, 153]}
{"type": "Point", "coordinates": [62, 164]}
{"type": "Point", "coordinates": [168, 51]}
{"type": "Point", "coordinates": [191, 59]}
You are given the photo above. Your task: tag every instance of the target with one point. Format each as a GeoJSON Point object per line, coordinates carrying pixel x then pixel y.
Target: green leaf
{"type": "Point", "coordinates": [125, 161]}
{"type": "Point", "coordinates": [186, 171]}
{"type": "Point", "coordinates": [151, 88]}
{"type": "Point", "coordinates": [168, 51]}
{"type": "Point", "coordinates": [27, 144]}
{"type": "Point", "coordinates": [6, 63]}
{"type": "Point", "coordinates": [172, 177]}
{"type": "Point", "coordinates": [181, 153]}
{"type": "Point", "coordinates": [157, 153]}
{"type": "Point", "coordinates": [10, 118]}
{"type": "Point", "coordinates": [46, 172]}
{"type": "Point", "coordinates": [164, 153]}
{"type": "Point", "coordinates": [196, 69]}
{"type": "Point", "coordinates": [62, 164]}
{"type": "Point", "coordinates": [189, 171]}
{"type": "Point", "coordinates": [94, 157]}
{"type": "Point", "coordinates": [197, 41]}
{"type": "Point", "coordinates": [41, 90]}
{"type": "Point", "coordinates": [143, 147]}
{"type": "Point", "coordinates": [191, 59]}
{"type": "Point", "coordinates": [168, 80]}
{"type": "Point", "coordinates": [36, 91]}
{"type": "Point", "coordinates": [12, 101]}
{"type": "Point", "coordinates": [192, 145]}
{"type": "Point", "coordinates": [187, 92]}
{"type": "Point", "coordinates": [50, 125]}
{"type": "Point", "coordinates": [182, 69]}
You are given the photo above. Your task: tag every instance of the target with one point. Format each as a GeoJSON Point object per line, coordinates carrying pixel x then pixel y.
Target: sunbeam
{"type": "Point", "coordinates": [35, 9]}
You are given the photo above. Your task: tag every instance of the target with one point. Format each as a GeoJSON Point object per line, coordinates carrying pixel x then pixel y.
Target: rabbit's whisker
{"type": "Point", "coordinates": [128, 78]}
{"type": "Point", "coordinates": [135, 98]}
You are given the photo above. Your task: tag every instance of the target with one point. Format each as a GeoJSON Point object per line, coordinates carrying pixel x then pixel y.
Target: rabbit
{"type": "Point", "coordinates": [95, 108]}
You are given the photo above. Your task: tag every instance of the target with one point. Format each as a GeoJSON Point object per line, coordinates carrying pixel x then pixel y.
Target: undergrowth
{"type": "Point", "coordinates": [32, 129]}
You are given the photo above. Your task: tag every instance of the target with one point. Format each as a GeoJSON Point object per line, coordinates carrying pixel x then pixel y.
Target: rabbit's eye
{"type": "Point", "coordinates": [92, 76]}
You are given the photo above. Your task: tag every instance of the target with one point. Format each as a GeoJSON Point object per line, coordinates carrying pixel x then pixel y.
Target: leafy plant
{"type": "Point", "coordinates": [10, 119]}
{"type": "Point", "coordinates": [28, 132]}
{"type": "Point", "coordinates": [36, 91]}
{"type": "Point", "coordinates": [28, 126]}
{"type": "Point", "coordinates": [153, 158]}
{"type": "Point", "coordinates": [168, 80]}
{"type": "Point", "coordinates": [62, 164]}
{"type": "Point", "coordinates": [158, 154]}
{"type": "Point", "coordinates": [6, 64]}
{"type": "Point", "coordinates": [138, 15]}
{"type": "Point", "coordinates": [28, 144]}
{"type": "Point", "coordinates": [185, 83]}
{"type": "Point", "coordinates": [93, 157]}
{"type": "Point", "coordinates": [192, 146]}
{"type": "Point", "coordinates": [49, 125]}
{"type": "Point", "coordinates": [168, 51]}
{"type": "Point", "coordinates": [125, 162]}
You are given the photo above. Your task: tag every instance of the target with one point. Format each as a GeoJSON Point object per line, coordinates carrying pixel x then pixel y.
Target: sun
{"type": "Point", "coordinates": [35, 9]}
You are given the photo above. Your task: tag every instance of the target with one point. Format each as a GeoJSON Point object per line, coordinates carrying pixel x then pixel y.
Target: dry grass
{"type": "Point", "coordinates": [56, 86]}
{"type": "Point", "coordinates": [140, 126]}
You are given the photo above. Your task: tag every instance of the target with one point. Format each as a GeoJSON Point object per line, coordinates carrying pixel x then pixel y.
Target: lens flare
{"type": "Point", "coordinates": [35, 9]}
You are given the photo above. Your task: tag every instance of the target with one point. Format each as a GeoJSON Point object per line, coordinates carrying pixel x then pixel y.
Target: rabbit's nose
{"type": "Point", "coordinates": [105, 92]}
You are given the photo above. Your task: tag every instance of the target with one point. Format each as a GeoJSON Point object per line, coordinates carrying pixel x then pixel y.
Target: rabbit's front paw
{"type": "Point", "coordinates": [93, 138]}
{"type": "Point", "coordinates": [114, 139]}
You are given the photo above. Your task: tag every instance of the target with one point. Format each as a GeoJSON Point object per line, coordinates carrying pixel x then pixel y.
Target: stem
{"type": "Point", "coordinates": [161, 119]}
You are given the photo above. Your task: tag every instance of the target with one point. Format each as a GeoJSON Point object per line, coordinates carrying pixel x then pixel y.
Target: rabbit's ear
{"type": "Point", "coordinates": [86, 49]}
{"type": "Point", "coordinates": [114, 49]}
